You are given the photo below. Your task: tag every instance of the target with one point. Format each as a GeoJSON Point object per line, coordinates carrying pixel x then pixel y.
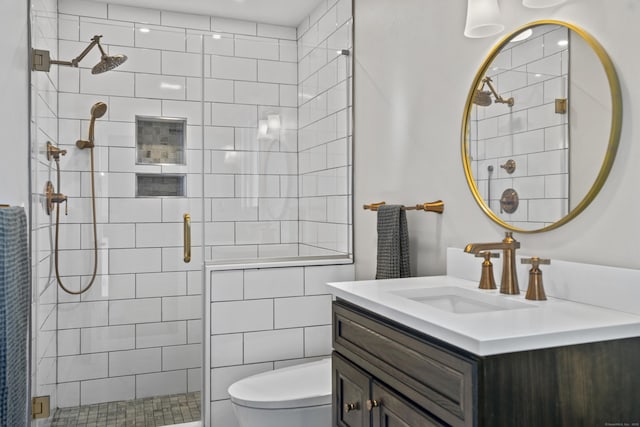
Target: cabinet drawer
{"type": "Point", "coordinates": [435, 379]}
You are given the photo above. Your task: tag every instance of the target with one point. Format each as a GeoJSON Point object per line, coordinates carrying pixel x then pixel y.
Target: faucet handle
{"type": "Point", "coordinates": [535, 261]}
{"type": "Point", "coordinates": [535, 290]}
{"type": "Point", "coordinates": [487, 281]}
{"type": "Point", "coordinates": [487, 254]}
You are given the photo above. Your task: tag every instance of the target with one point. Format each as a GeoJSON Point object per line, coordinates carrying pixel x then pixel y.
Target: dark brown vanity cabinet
{"type": "Point", "coordinates": [385, 374]}
{"type": "Point", "coordinates": [357, 399]}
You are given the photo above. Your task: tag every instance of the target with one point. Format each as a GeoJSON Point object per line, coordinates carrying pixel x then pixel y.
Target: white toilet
{"type": "Point", "coordinates": [296, 396]}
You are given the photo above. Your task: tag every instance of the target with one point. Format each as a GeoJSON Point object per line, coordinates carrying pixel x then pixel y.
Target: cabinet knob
{"type": "Point", "coordinates": [372, 403]}
{"type": "Point", "coordinates": [348, 407]}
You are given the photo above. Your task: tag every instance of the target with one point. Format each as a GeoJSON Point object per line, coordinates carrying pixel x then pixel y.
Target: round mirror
{"type": "Point", "coordinates": [541, 126]}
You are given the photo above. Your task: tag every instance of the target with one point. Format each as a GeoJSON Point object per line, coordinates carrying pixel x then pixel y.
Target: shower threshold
{"type": "Point", "coordinates": [176, 409]}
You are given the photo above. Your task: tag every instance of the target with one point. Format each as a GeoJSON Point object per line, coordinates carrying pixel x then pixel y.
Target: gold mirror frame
{"type": "Point", "coordinates": [614, 135]}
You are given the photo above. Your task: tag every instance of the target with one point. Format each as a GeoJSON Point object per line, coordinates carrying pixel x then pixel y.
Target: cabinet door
{"type": "Point", "coordinates": [350, 394]}
{"type": "Point", "coordinates": [390, 410]}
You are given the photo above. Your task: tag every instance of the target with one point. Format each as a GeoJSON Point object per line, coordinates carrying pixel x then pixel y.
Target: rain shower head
{"type": "Point", "coordinates": [483, 97]}
{"type": "Point", "coordinates": [42, 61]}
{"type": "Point", "coordinates": [108, 63]}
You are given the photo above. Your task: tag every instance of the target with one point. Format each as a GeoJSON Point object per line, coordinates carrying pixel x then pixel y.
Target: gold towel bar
{"type": "Point", "coordinates": [5, 206]}
{"type": "Point", "coordinates": [437, 207]}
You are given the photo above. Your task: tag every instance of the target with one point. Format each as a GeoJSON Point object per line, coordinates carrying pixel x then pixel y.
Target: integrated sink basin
{"type": "Point", "coordinates": [459, 300]}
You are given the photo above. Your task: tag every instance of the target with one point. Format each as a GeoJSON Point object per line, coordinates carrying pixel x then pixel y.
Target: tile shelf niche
{"type": "Point", "coordinates": [160, 140]}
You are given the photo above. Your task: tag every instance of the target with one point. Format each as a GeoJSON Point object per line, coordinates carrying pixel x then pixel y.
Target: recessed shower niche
{"type": "Point", "coordinates": [160, 140]}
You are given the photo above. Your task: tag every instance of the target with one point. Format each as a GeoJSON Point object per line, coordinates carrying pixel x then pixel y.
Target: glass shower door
{"type": "Point", "coordinates": [131, 345]}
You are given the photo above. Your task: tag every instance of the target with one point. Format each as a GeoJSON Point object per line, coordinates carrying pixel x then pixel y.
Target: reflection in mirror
{"type": "Point", "coordinates": [538, 124]}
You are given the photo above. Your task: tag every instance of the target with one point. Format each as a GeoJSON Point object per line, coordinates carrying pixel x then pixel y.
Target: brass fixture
{"type": "Point", "coordinates": [187, 237]}
{"type": "Point", "coordinates": [54, 152]}
{"type": "Point", "coordinates": [483, 97]}
{"type": "Point", "coordinates": [509, 166]}
{"type": "Point", "coordinates": [97, 111]}
{"type": "Point", "coordinates": [351, 406]}
{"type": "Point", "coordinates": [40, 407]}
{"type": "Point", "coordinates": [437, 207]}
{"type": "Point", "coordinates": [487, 281]}
{"type": "Point", "coordinates": [41, 59]}
{"type": "Point", "coordinates": [372, 403]}
{"type": "Point", "coordinates": [509, 281]}
{"type": "Point", "coordinates": [509, 201]}
{"type": "Point", "coordinates": [5, 206]}
{"type": "Point", "coordinates": [53, 197]}
{"type": "Point", "coordinates": [561, 105]}
{"type": "Point", "coordinates": [535, 291]}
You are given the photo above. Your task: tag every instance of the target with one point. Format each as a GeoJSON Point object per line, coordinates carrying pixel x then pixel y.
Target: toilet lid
{"type": "Point", "coordinates": [297, 386]}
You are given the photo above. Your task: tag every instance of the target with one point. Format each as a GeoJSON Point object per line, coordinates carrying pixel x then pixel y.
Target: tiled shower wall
{"type": "Point", "coordinates": [137, 331]}
{"type": "Point", "coordinates": [251, 186]}
{"type": "Point", "coordinates": [324, 79]}
{"type": "Point", "coordinates": [534, 72]}
{"type": "Point", "coordinates": [263, 319]}
{"type": "Point", "coordinates": [44, 127]}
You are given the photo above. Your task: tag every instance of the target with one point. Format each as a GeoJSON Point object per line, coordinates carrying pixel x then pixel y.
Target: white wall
{"type": "Point", "coordinates": [413, 70]}
{"type": "Point", "coordinates": [14, 96]}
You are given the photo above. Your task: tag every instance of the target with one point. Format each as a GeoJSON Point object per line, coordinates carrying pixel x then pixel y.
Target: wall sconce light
{"type": "Point", "coordinates": [483, 18]}
{"type": "Point", "coordinates": [538, 4]}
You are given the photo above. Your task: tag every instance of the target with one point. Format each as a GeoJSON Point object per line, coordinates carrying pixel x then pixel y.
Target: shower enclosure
{"type": "Point", "coordinates": [223, 204]}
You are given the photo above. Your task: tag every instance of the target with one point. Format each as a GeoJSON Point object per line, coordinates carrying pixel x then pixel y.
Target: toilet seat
{"type": "Point", "coordinates": [297, 386]}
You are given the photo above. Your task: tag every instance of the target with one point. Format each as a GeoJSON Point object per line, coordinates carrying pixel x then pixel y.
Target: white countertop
{"type": "Point", "coordinates": [542, 324]}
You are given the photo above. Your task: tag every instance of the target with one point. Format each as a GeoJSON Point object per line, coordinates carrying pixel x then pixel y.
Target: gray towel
{"type": "Point", "coordinates": [14, 316]}
{"type": "Point", "coordinates": [393, 243]}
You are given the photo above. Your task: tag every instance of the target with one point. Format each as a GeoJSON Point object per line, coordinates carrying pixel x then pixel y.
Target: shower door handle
{"type": "Point", "coordinates": [187, 237]}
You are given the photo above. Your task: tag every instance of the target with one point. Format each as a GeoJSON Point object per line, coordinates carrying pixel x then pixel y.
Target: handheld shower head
{"type": "Point", "coordinates": [97, 110]}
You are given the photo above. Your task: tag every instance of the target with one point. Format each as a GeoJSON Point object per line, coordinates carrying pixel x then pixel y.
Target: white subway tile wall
{"type": "Point", "coordinates": [272, 107]}
{"type": "Point", "coordinates": [324, 135]}
{"type": "Point", "coordinates": [533, 72]}
{"type": "Point", "coordinates": [267, 318]}
{"type": "Point", "coordinates": [138, 330]}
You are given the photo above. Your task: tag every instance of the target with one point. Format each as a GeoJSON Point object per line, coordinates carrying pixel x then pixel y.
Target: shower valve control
{"type": "Point", "coordinates": [53, 197]}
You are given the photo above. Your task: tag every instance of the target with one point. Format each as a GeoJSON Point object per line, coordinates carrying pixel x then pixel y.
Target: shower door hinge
{"type": "Point", "coordinates": [40, 407]}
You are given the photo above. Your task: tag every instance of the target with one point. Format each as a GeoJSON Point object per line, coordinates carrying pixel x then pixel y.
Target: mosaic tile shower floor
{"type": "Point", "coordinates": [148, 412]}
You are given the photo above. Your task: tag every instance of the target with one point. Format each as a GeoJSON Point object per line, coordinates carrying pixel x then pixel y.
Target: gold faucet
{"type": "Point", "coordinates": [509, 282]}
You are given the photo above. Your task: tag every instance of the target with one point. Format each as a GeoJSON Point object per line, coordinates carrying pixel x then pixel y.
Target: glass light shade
{"type": "Point", "coordinates": [539, 4]}
{"type": "Point", "coordinates": [483, 18]}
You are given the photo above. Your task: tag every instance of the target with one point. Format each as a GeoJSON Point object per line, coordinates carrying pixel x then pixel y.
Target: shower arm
{"type": "Point", "coordinates": [41, 59]}
{"type": "Point", "coordinates": [500, 99]}
{"type": "Point", "coordinates": [95, 40]}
